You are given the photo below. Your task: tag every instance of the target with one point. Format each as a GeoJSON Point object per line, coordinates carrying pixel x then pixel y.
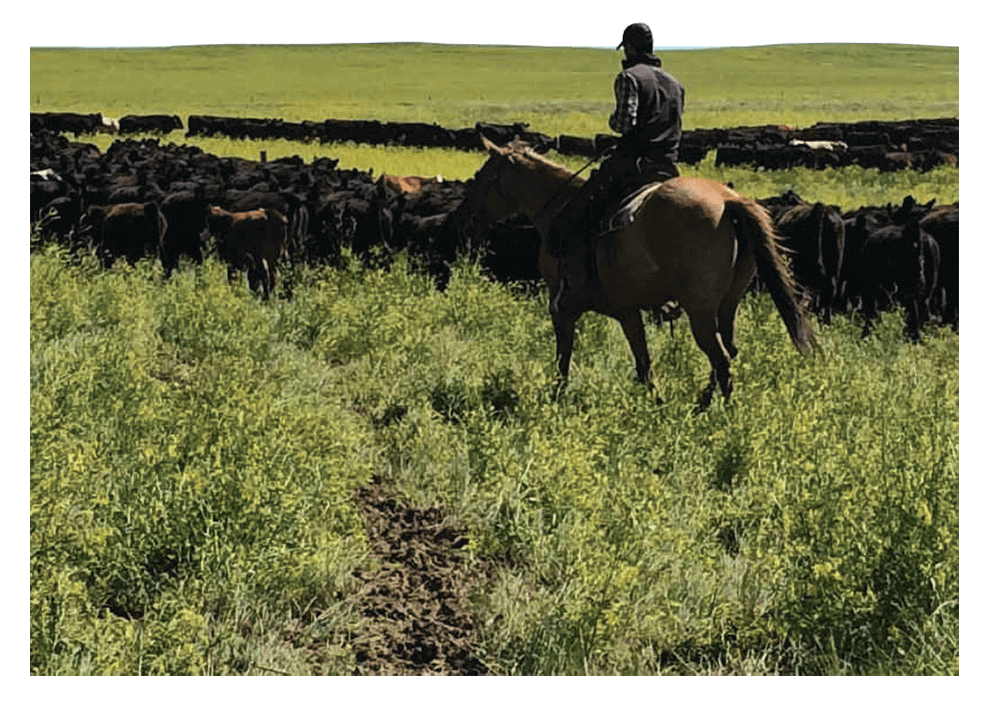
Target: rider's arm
{"type": "Point", "coordinates": [627, 104]}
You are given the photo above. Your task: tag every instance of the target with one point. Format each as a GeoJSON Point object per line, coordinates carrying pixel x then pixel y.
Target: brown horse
{"type": "Point", "coordinates": [693, 241]}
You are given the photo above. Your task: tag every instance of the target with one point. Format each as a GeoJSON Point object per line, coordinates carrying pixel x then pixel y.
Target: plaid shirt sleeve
{"type": "Point", "coordinates": [627, 104]}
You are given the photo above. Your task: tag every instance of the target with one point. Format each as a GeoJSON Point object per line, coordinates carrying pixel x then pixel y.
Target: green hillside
{"type": "Point", "coordinates": [557, 90]}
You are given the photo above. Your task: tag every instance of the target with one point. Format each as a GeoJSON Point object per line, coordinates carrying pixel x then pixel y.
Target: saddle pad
{"type": "Point", "coordinates": [624, 214]}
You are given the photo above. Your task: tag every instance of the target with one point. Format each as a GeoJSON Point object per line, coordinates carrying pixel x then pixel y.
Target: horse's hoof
{"type": "Point", "coordinates": [705, 400]}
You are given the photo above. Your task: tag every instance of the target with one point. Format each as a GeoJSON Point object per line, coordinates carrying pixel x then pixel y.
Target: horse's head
{"type": "Point", "coordinates": [489, 198]}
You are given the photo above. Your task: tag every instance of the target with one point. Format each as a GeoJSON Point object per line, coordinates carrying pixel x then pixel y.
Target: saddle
{"type": "Point", "coordinates": [622, 213]}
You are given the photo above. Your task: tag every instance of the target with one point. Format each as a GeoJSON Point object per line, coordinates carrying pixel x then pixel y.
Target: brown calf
{"type": "Point", "coordinates": [407, 183]}
{"type": "Point", "coordinates": [252, 241]}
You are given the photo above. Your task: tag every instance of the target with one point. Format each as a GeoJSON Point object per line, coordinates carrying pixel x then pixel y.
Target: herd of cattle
{"type": "Point", "coordinates": [874, 258]}
{"type": "Point", "coordinates": [885, 145]}
{"type": "Point", "coordinates": [140, 198]}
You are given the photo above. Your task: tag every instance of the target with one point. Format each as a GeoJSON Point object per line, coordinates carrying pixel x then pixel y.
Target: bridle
{"type": "Point", "coordinates": [493, 181]}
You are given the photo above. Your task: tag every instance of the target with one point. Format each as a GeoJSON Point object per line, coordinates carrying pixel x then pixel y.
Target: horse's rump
{"type": "Point", "coordinates": [677, 245]}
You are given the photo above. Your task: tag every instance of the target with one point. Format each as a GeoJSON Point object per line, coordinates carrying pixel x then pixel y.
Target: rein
{"type": "Point", "coordinates": [573, 177]}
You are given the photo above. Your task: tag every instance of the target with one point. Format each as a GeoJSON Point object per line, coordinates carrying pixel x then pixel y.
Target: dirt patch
{"type": "Point", "coordinates": [416, 607]}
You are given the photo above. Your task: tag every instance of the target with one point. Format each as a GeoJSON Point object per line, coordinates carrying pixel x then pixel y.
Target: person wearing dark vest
{"type": "Point", "coordinates": [649, 103]}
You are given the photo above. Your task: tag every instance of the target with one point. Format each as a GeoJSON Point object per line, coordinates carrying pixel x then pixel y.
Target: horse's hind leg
{"type": "Point", "coordinates": [635, 332]}
{"type": "Point", "coordinates": [706, 334]}
{"type": "Point", "coordinates": [742, 274]}
{"type": "Point", "coordinates": [727, 325]}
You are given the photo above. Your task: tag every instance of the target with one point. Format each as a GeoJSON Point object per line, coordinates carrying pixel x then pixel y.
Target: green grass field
{"type": "Point", "coordinates": [194, 450]}
{"type": "Point", "coordinates": [558, 91]}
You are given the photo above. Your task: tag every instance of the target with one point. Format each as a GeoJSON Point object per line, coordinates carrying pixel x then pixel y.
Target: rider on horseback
{"type": "Point", "coordinates": [648, 110]}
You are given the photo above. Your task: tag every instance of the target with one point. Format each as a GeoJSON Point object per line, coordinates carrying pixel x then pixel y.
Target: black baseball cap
{"type": "Point", "coordinates": [638, 35]}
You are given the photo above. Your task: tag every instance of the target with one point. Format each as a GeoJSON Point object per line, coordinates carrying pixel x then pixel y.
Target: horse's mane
{"type": "Point", "coordinates": [526, 150]}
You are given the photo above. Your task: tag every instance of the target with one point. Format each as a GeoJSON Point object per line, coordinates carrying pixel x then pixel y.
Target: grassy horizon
{"type": "Point", "coordinates": [556, 90]}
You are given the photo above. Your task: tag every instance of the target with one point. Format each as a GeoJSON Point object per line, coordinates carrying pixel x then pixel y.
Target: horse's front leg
{"type": "Point", "coordinates": [565, 329]}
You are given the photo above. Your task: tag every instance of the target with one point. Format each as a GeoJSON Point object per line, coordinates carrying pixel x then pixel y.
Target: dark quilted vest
{"type": "Point", "coordinates": [661, 101]}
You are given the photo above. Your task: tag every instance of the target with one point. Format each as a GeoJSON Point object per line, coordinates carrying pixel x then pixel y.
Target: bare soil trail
{"type": "Point", "coordinates": [416, 606]}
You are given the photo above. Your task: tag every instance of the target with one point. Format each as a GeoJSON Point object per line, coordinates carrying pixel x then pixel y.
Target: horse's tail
{"type": "Point", "coordinates": [754, 229]}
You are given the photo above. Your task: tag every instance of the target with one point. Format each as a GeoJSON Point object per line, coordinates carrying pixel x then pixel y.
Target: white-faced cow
{"type": "Point", "coordinates": [108, 125]}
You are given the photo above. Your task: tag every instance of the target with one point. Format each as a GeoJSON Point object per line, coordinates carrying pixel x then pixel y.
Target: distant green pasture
{"type": "Point", "coordinates": [556, 90]}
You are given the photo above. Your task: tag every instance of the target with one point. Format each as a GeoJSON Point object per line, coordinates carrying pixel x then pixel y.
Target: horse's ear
{"type": "Point", "coordinates": [489, 145]}
{"type": "Point", "coordinates": [496, 150]}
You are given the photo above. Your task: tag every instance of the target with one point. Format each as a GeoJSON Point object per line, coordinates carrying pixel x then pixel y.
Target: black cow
{"type": "Point", "coordinates": [814, 234]}
{"type": "Point", "coordinates": [256, 128]}
{"type": "Point", "coordinates": [313, 130]}
{"type": "Point", "coordinates": [204, 125]}
{"type": "Point", "coordinates": [157, 123]}
{"type": "Point", "coordinates": [865, 156]}
{"type": "Point", "coordinates": [142, 192]}
{"type": "Point", "coordinates": [508, 251]}
{"type": "Point", "coordinates": [75, 123]}
{"type": "Point", "coordinates": [46, 185]}
{"type": "Point", "coordinates": [37, 123]}
{"type": "Point", "coordinates": [942, 224]}
{"type": "Point", "coordinates": [575, 145]}
{"type": "Point", "coordinates": [692, 154]}
{"type": "Point", "coordinates": [370, 132]}
{"type": "Point", "coordinates": [732, 154]}
{"type": "Point", "coordinates": [899, 265]}
{"type": "Point", "coordinates": [129, 230]}
{"type": "Point", "coordinates": [59, 220]}
{"type": "Point", "coordinates": [185, 212]}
